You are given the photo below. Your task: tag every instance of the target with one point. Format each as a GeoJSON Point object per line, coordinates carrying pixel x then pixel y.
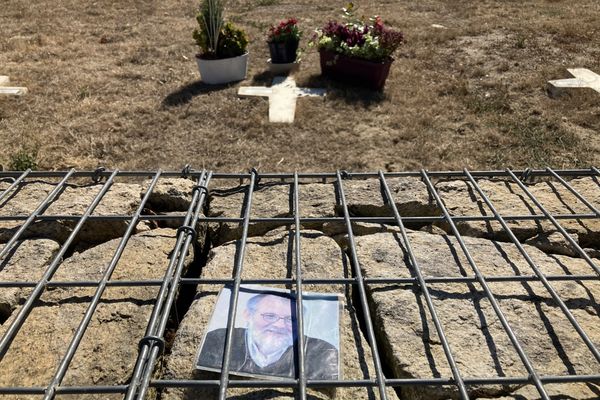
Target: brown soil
{"type": "Point", "coordinates": [115, 83]}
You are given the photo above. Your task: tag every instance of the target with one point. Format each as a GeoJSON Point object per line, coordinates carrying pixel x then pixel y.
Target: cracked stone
{"type": "Point", "coordinates": [26, 262]}
{"type": "Point", "coordinates": [170, 194]}
{"type": "Point", "coordinates": [108, 351]}
{"type": "Point", "coordinates": [365, 197]}
{"type": "Point", "coordinates": [476, 337]}
{"type": "Point", "coordinates": [269, 201]}
{"type": "Point", "coordinates": [121, 199]}
{"type": "Point", "coordinates": [461, 199]}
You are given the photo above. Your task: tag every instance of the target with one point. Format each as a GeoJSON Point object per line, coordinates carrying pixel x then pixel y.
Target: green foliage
{"type": "Point", "coordinates": [200, 37]}
{"type": "Point", "coordinates": [263, 3]}
{"type": "Point", "coordinates": [210, 21]}
{"type": "Point", "coordinates": [23, 159]}
{"type": "Point", "coordinates": [84, 93]}
{"type": "Point", "coordinates": [542, 142]}
{"type": "Point", "coordinates": [520, 42]}
{"type": "Point", "coordinates": [232, 41]}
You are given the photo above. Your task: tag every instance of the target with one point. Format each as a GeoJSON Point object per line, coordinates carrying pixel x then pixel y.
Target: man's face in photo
{"type": "Point", "coordinates": [271, 324]}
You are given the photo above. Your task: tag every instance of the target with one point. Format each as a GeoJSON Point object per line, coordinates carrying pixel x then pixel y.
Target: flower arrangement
{"type": "Point", "coordinates": [362, 38]}
{"type": "Point", "coordinates": [283, 40]}
{"type": "Point", "coordinates": [216, 38]}
{"type": "Point", "coordinates": [285, 31]}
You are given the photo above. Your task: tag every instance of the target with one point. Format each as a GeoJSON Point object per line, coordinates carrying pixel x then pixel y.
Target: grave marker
{"type": "Point", "coordinates": [282, 97]}
{"type": "Point", "coordinates": [582, 78]}
{"type": "Point", "coordinates": [7, 90]}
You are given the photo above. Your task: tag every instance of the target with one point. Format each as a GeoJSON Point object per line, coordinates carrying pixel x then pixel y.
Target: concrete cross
{"type": "Point", "coordinates": [582, 78]}
{"type": "Point", "coordinates": [6, 90]}
{"type": "Point", "coordinates": [282, 97]}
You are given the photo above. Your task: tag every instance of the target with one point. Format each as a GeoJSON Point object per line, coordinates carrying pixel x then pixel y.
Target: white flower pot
{"type": "Point", "coordinates": [223, 70]}
{"type": "Point", "coordinates": [282, 69]}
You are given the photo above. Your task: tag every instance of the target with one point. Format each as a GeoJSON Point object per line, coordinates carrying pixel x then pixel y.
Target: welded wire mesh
{"type": "Point", "coordinates": [145, 375]}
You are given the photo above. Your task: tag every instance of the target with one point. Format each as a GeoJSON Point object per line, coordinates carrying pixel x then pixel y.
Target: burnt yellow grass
{"type": "Point", "coordinates": [115, 83]}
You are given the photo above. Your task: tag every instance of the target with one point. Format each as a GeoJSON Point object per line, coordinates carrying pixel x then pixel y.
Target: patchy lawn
{"type": "Point", "coordinates": [114, 83]}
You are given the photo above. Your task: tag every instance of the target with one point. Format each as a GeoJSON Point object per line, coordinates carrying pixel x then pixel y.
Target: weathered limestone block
{"type": "Point", "coordinates": [366, 197]}
{"type": "Point", "coordinates": [106, 355]}
{"type": "Point", "coordinates": [270, 256]}
{"type": "Point", "coordinates": [121, 199]}
{"type": "Point", "coordinates": [335, 229]}
{"type": "Point", "coordinates": [268, 201]}
{"type": "Point", "coordinates": [576, 391]}
{"type": "Point", "coordinates": [170, 194]}
{"type": "Point", "coordinates": [509, 199]}
{"type": "Point", "coordinates": [172, 197]}
{"type": "Point", "coordinates": [478, 342]}
{"type": "Point", "coordinates": [27, 262]}
{"type": "Point", "coordinates": [108, 351]}
{"type": "Point", "coordinates": [146, 257]}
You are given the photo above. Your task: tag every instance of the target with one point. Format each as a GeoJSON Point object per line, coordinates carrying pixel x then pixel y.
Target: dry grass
{"type": "Point", "coordinates": [114, 83]}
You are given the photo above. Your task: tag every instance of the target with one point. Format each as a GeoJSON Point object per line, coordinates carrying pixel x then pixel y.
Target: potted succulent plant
{"type": "Point", "coordinates": [357, 50]}
{"type": "Point", "coordinates": [283, 40]}
{"type": "Point", "coordinates": [223, 57]}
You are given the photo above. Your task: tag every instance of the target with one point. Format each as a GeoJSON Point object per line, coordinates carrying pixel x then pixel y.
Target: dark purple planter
{"type": "Point", "coordinates": [283, 53]}
{"type": "Point", "coordinates": [355, 70]}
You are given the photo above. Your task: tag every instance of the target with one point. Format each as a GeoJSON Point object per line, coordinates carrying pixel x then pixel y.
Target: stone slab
{"type": "Point", "coordinates": [461, 199]}
{"type": "Point", "coordinates": [106, 355]}
{"type": "Point", "coordinates": [10, 91]}
{"type": "Point", "coordinates": [121, 199]}
{"type": "Point", "coordinates": [270, 257]}
{"type": "Point", "coordinates": [268, 201]}
{"type": "Point", "coordinates": [27, 262]}
{"type": "Point", "coordinates": [13, 91]}
{"type": "Point", "coordinates": [146, 257]}
{"type": "Point", "coordinates": [108, 351]}
{"type": "Point", "coordinates": [170, 194]}
{"type": "Point", "coordinates": [576, 391]}
{"type": "Point", "coordinates": [479, 344]}
{"type": "Point", "coordinates": [364, 198]}
{"type": "Point", "coordinates": [250, 91]}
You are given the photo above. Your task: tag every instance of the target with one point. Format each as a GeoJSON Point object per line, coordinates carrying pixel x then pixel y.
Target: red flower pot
{"type": "Point", "coordinates": [355, 70]}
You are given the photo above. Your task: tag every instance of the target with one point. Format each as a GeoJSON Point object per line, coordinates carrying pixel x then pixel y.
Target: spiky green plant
{"type": "Point", "coordinates": [210, 19]}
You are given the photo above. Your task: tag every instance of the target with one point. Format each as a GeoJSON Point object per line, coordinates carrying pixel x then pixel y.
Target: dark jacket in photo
{"type": "Point", "coordinates": [321, 358]}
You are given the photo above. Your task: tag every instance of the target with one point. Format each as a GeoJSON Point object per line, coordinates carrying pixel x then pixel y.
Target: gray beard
{"type": "Point", "coordinates": [271, 342]}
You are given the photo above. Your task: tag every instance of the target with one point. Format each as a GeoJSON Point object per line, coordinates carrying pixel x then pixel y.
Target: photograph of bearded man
{"type": "Point", "coordinates": [267, 345]}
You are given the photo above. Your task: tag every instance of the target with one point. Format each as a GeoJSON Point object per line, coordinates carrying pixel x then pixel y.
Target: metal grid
{"type": "Point", "coordinates": [153, 342]}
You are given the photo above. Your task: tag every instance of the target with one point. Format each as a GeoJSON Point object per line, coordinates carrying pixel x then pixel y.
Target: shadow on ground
{"type": "Point", "coordinates": [350, 93]}
{"type": "Point", "coordinates": [186, 93]}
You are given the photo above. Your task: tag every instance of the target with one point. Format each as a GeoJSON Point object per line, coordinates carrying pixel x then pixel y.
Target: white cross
{"type": "Point", "coordinates": [582, 78]}
{"type": "Point", "coordinates": [16, 91]}
{"type": "Point", "coordinates": [282, 97]}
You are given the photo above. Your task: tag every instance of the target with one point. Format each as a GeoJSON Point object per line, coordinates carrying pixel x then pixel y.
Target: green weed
{"type": "Point", "coordinates": [23, 159]}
